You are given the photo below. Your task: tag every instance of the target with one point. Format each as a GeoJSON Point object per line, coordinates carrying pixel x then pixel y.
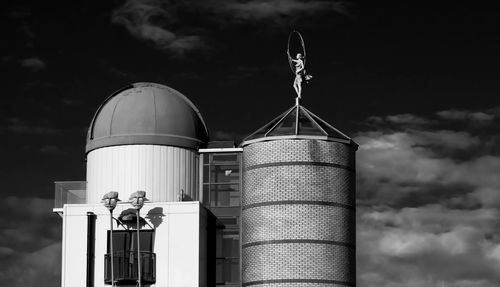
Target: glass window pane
{"type": "Point", "coordinates": [307, 127]}
{"type": "Point", "coordinates": [224, 158]}
{"type": "Point", "coordinates": [224, 195]}
{"type": "Point", "coordinates": [146, 240]}
{"type": "Point", "coordinates": [206, 174]}
{"type": "Point", "coordinates": [120, 241]}
{"type": "Point", "coordinates": [287, 126]}
{"type": "Point", "coordinates": [227, 243]}
{"type": "Point", "coordinates": [225, 174]}
{"type": "Point", "coordinates": [227, 270]}
{"type": "Point", "coordinates": [206, 194]}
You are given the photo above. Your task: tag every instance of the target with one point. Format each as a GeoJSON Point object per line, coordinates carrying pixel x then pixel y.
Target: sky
{"type": "Point", "coordinates": [415, 83]}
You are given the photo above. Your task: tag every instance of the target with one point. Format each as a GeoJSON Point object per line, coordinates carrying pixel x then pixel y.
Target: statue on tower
{"type": "Point", "coordinates": [298, 65]}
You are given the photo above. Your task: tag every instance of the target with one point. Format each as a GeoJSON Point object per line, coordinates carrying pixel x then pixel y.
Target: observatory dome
{"type": "Point", "coordinates": [147, 113]}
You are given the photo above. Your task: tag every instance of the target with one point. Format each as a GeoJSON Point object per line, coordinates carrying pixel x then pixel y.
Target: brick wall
{"type": "Point", "coordinates": [298, 217]}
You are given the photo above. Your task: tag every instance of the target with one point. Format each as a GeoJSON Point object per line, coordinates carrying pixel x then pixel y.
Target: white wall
{"type": "Point", "coordinates": [163, 171]}
{"type": "Point", "coordinates": [177, 241]}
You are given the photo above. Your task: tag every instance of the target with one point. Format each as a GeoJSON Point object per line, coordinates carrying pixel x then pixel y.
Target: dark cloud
{"type": "Point", "coordinates": [465, 115]}
{"type": "Point", "coordinates": [52, 150]}
{"type": "Point", "coordinates": [20, 14]}
{"type": "Point", "coordinates": [180, 27]}
{"type": "Point", "coordinates": [34, 64]}
{"type": "Point", "coordinates": [151, 21]}
{"type": "Point", "coordinates": [30, 248]}
{"type": "Point", "coordinates": [18, 126]}
{"type": "Point", "coordinates": [272, 10]}
{"type": "Point", "coordinates": [428, 203]}
{"type": "Point", "coordinates": [31, 269]}
{"type": "Point", "coordinates": [427, 245]}
{"type": "Point", "coordinates": [408, 119]}
{"type": "Point", "coordinates": [395, 165]}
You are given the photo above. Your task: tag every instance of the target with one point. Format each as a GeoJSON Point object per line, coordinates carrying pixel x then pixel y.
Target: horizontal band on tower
{"type": "Point", "coordinates": [289, 163]}
{"type": "Point", "coordinates": [260, 282]}
{"type": "Point", "coordinates": [285, 241]}
{"type": "Point", "coordinates": [305, 202]}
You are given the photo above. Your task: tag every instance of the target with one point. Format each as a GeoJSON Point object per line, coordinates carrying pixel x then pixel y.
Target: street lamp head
{"type": "Point", "coordinates": [137, 199]}
{"type": "Point", "coordinates": [110, 200]}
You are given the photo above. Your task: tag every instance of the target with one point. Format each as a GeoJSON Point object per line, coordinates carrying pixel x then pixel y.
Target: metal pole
{"type": "Point", "coordinates": [111, 247]}
{"type": "Point", "coordinates": [138, 251]}
{"type": "Point", "coordinates": [110, 200]}
{"type": "Point", "coordinates": [137, 200]}
{"type": "Point", "coordinates": [91, 217]}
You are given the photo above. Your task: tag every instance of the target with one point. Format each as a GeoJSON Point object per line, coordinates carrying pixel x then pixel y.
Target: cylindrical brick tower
{"type": "Point", "coordinates": [298, 204]}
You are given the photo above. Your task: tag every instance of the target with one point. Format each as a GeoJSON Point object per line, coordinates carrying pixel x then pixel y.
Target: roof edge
{"type": "Point", "coordinates": [301, 137]}
{"type": "Point", "coordinates": [145, 139]}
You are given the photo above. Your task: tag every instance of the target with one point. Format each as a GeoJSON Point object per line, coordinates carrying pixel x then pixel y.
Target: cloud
{"type": "Point", "coordinates": [18, 126]}
{"type": "Point", "coordinates": [52, 150]}
{"type": "Point", "coordinates": [428, 201]}
{"type": "Point", "coordinates": [182, 27]}
{"type": "Point", "coordinates": [39, 268]}
{"type": "Point", "coordinates": [30, 248]}
{"type": "Point", "coordinates": [407, 119]}
{"type": "Point", "coordinates": [34, 64]}
{"type": "Point", "coordinates": [403, 243]}
{"type": "Point", "coordinates": [461, 115]}
{"type": "Point", "coordinates": [150, 20]}
{"type": "Point", "coordinates": [272, 9]}
{"type": "Point", "coordinates": [31, 223]}
{"type": "Point", "coordinates": [426, 246]}
{"type": "Point", "coordinates": [398, 167]}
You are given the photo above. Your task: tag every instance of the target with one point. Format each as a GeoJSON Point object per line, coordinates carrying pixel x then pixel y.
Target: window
{"type": "Point", "coordinates": [125, 263]}
{"type": "Point", "coordinates": [227, 256]}
{"type": "Point", "coordinates": [221, 179]}
{"type": "Point", "coordinates": [126, 240]}
{"type": "Point", "coordinates": [221, 187]}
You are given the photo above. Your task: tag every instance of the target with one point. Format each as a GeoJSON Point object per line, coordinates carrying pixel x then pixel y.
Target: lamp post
{"type": "Point", "coordinates": [110, 200]}
{"type": "Point", "coordinates": [137, 200]}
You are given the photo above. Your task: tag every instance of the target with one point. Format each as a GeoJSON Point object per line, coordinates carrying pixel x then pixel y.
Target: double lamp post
{"type": "Point", "coordinates": [137, 200]}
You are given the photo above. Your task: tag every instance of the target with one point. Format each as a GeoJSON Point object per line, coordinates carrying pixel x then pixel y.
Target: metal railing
{"type": "Point", "coordinates": [69, 192]}
{"type": "Point", "coordinates": [125, 267]}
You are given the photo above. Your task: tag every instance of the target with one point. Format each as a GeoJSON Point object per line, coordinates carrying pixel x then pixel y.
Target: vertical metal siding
{"type": "Point", "coordinates": [162, 171]}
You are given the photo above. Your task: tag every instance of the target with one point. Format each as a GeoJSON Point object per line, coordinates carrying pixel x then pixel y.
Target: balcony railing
{"type": "Point", "coordinates": [125, 267]}
{"type": "Point", "coordinates": [69, 192]}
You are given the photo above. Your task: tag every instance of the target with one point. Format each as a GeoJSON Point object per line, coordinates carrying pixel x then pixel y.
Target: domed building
{"type": "Point", "coordinates": [164, 206]}
{"type": "Point", "coordinates": [147, 113]}
{"type": "Point", "coordinates": [145, 137]}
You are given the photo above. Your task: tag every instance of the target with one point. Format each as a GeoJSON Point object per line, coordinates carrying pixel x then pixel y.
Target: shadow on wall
{"type": "Point", "coordinates": [128, 219]}
{"type": "Point", "coordinates": [313, 147]}
{"type": "Point", "coordinates": [155, 216]}
{"type": "Point", "coordinates": [184, 197]}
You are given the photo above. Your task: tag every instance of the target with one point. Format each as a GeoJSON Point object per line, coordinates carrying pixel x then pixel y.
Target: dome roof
{"type": "Point", "coordinates": [147, 113]}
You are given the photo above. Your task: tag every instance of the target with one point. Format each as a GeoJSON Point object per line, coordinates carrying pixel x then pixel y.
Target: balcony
{"type": "Point", "coordinates": [125, 267]}
{"type": "Point", "coordinates": [69, 192]}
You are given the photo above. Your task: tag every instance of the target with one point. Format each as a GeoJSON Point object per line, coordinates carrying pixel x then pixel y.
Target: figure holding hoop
{"type": "Point", "coordinates": [300, 74]}
{"type": "Point", "coordinates": [298, 66]}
